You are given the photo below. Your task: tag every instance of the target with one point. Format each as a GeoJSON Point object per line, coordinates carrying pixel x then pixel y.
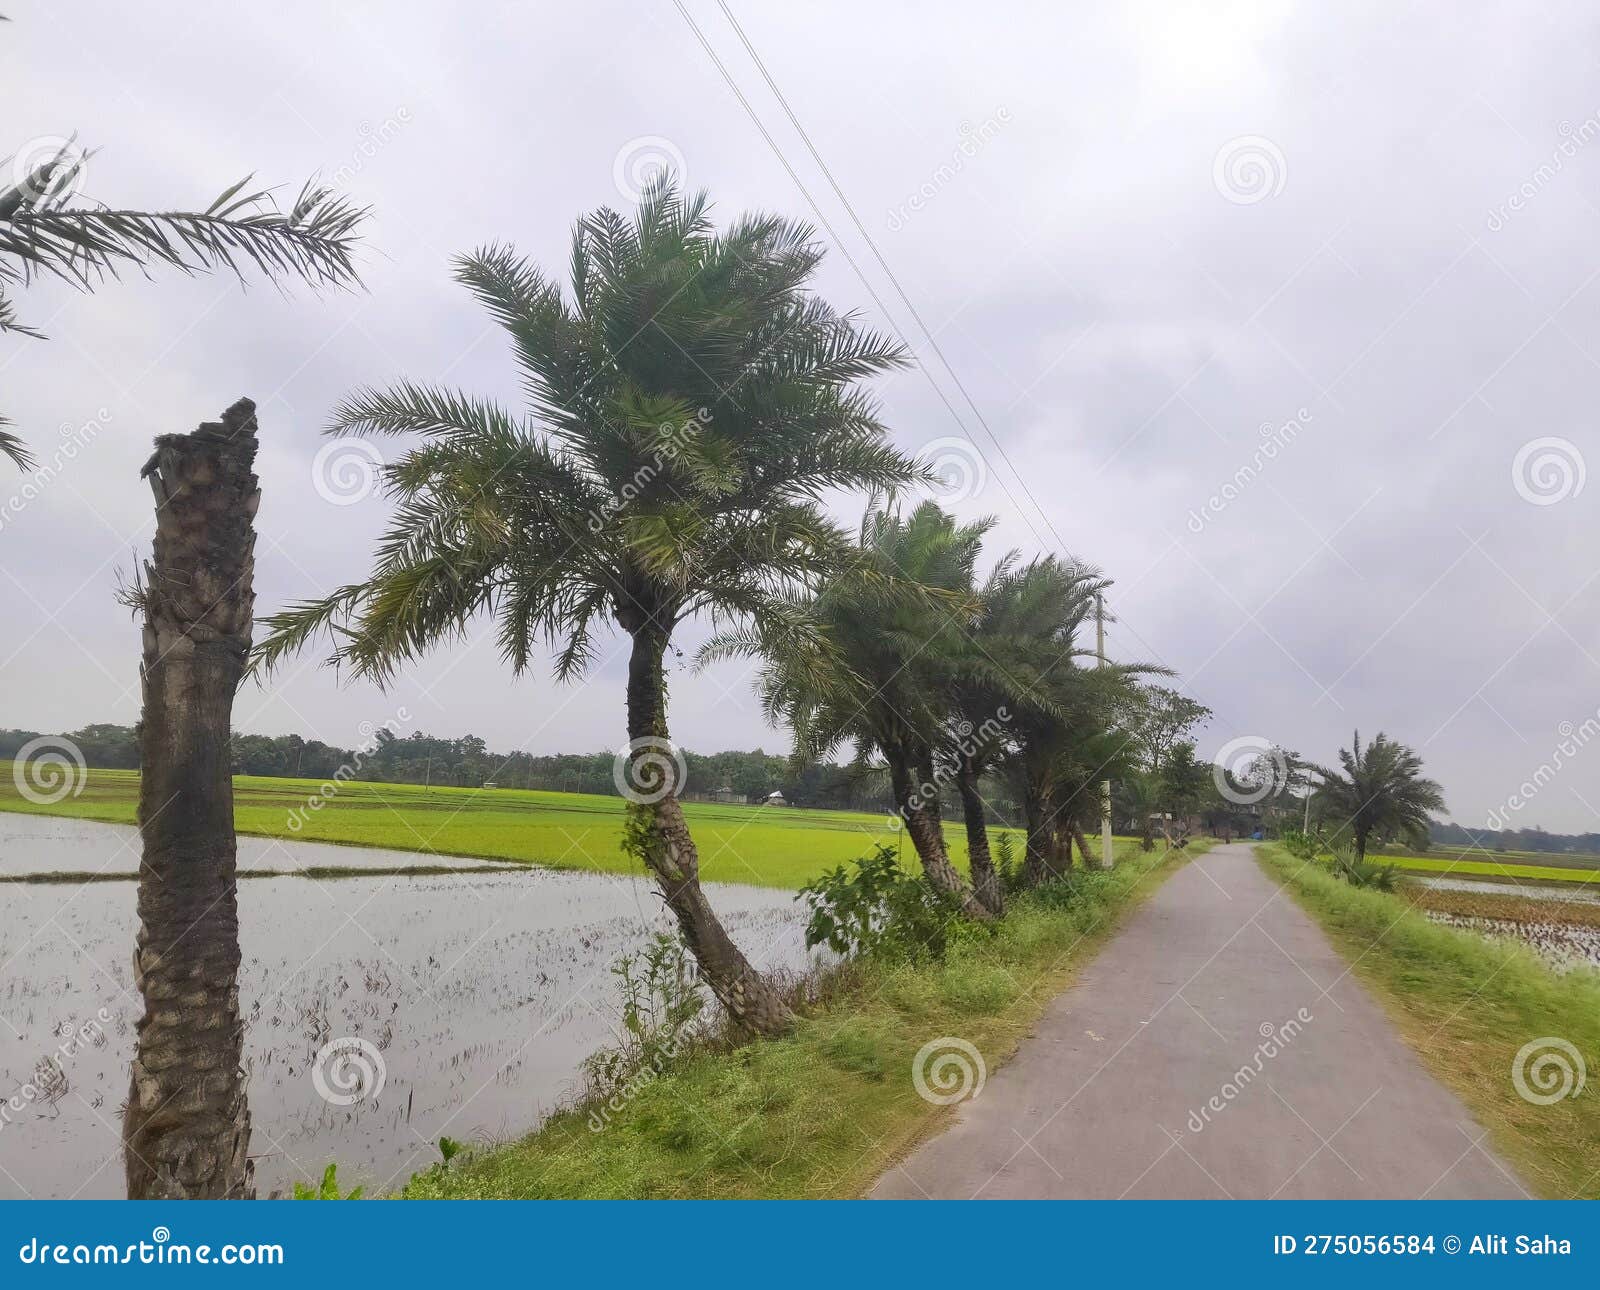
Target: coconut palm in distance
{"type": "Point", "coordinates": [689, 405]}
{"type": "Point", "coordinates": [45, 231]}
{"type": "Point", "coordinates": [1378, 790]}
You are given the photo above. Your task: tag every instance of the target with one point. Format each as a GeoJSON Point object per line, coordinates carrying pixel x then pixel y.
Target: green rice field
{"type": "Point", "coordinates": [770, 846]}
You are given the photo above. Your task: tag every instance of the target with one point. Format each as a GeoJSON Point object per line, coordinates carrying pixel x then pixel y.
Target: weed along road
{"type": "Point", "coordinates": [1218, 1047]}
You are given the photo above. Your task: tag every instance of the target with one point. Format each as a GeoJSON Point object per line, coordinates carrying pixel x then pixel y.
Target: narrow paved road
{"type": "Point", "coordinates": [1112, 1096]}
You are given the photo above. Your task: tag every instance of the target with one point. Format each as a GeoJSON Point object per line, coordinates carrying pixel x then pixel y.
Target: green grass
{"type": "Point", "coordinates": [1490, 869]}
{"type": "Point", "coordinates": [769, 846]}
{"type": "Point", "coordinates": [822, 1112]}
{"type": "Point", "coordinates": [1467, 1005]}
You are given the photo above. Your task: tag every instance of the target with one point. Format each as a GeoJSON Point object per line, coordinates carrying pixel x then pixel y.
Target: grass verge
{"type": "Point", "coordinates": [825, 1110]}
{"type": "Point", "coordinates": [1468, 1006]}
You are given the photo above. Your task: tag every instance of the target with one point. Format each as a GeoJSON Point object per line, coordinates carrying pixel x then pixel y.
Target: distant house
{"type": "Point", "coordinates": [776, 798]}
{"type": "Point", "coordinates": [725, 794]}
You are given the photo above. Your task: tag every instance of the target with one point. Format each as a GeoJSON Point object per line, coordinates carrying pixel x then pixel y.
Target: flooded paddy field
{"type": "Point", "coordinates": [480, 992]}
{"type": "Point", "coordinates": [44, 846]}
{"type": "Point", "coordinates": [1561, 924]}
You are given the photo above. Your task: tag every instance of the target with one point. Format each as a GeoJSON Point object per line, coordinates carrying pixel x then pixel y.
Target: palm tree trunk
{"type": "Point", "coordinates": [659, 833]}
{"type": "Point", "coordinates": [921, 817]}
{"type": "Point", "coordinates": [985, 881]}
{"type": "Point", "coordinates": [1040, 854]}
{"type": "Point", "coordinates": [186, 1131]}
{"type": "Point", "coordinates": [1083, 845]}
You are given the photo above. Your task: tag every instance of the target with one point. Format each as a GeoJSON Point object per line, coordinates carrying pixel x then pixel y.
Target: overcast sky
{"type": "Point", "coordinates": [1262, 307]}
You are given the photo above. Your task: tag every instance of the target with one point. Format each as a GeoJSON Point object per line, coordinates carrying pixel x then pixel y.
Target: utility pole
{"type": "Point", "coordinates": [1106, 849]}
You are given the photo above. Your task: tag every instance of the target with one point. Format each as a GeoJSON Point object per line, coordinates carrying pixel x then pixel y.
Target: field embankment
{"type": "Point", "coordinates": [1490, 1019]}
{"type": "Point", "coordinates": [824, 1111]}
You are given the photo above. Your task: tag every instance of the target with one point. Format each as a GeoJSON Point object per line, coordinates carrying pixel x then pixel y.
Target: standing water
{"type": "Point", "coordinates": [477, 995]}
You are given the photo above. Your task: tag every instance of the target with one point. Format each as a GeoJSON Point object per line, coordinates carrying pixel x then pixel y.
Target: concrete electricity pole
{"type": "Point", "coordinates": [1106, 849]}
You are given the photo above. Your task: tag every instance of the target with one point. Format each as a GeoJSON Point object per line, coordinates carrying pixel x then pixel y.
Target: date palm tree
{"type": "Point", "coordinates": [874, 676]}
{"type": "Point", "coordinates": [1068, 737]}
{"type": "Point", "coordinates": [1378, 790]}
{"type": "Point", "coordinates": [998, 665]}
{"type": "Point", "coordinates": [46, 231]}
{"type": "Point", "coordinates": [186, 1132]}
{"type": "Point", "coordinates": [689, 405]}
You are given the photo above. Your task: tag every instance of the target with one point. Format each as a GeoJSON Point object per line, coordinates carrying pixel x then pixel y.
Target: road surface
{"type": "Point", "coordinates": [1218, 1046]}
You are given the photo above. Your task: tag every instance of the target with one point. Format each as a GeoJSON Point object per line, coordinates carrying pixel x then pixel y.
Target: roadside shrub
{"type": "Point", "coordinates": [662, 1004]}
{"type": "Point", "coordinates": [1302, 846]}
{"type": "Point", "coordinates": [875, 908]}
{"type": "Point", "coordinates": [1362, 873]}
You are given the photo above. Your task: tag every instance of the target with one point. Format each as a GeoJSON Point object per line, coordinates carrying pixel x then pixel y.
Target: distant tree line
{"type": "Point", "coordinates": [1529, 839]}
{"type": "Point", "coordinates": [467, 762]}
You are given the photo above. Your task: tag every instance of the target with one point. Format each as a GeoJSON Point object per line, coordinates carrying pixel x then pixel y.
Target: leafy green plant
{"type": "Point", "coordinates": [1358, 871]}
{"type": "Point", "coordinates": [1005, 863]}
{"type": "Point", "coordinates": [662, 1005]}
{"type": "Point", "coordinates": [876, 908]}
{"type": "Point", "coordinates": [328, 1189]}
{"type": "Point", "coordinates": [1302, 846]}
